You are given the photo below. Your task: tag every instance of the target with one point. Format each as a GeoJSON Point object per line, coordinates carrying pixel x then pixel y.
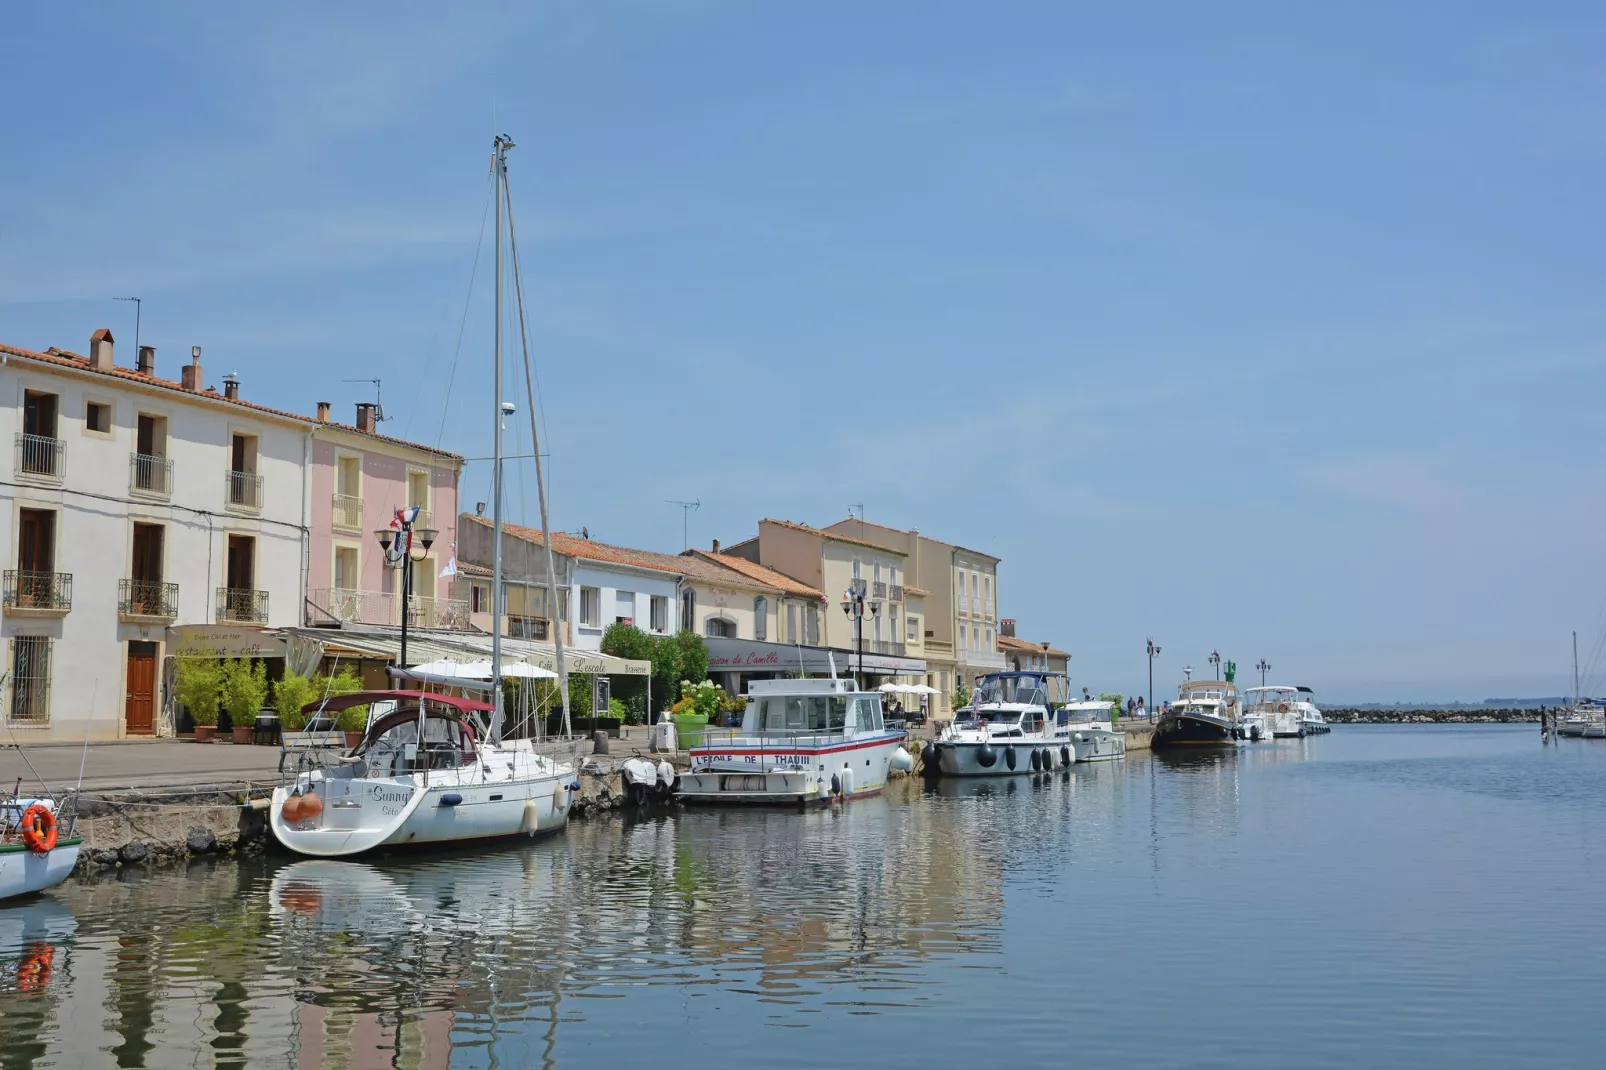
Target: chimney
{"type": "Point", "coordinates": [192, 371]}
{"type": "Point", "coordinates": [365, 416]}
{"type": "Point", "coordinates": [716, 546]}
{"type": "Point", "coordinates": [100, 350]}
{"type": "Point", "coordinates": [145, 363]}
{"type": "Point", "coordinates": [231, 387]}
{"type": "Point", "coordinates": [323, 412]}
{"type": "Point", "coordinates": [1007, 627]}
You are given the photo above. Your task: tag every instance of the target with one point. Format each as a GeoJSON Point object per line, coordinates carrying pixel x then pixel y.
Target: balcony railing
{"type": "Point", "coordinates": [150, 475]}
{"type": "Point", "coordinates": [529, 628]}
{"type": "Point", "coordinates": [896, 594]}
{"type": "Point", "coordinates": [937, 646]}
{"type": "Point", "coordinates": [426, 519]}
{"type": "Point", "coordinates": [41, 457]}
{"type": "Point", "coordinates": [348, 512]}
{"type": "Point", "coordinates": [244, 490]}
{"type": "Point", "coordinates": [878, 589]}
{"type": "Point", "coordinates": [858, 585]}
{"type": "Point", "coordinates": [241, 605]}
{"type": "Point", "coordinates": [144, 600]}
{"type": "Point", "coordinates": [39, 592]}
{"type": "Point", "coordinates": [884, 646]}
{"type": "Point", "coordinates": [331, 604]}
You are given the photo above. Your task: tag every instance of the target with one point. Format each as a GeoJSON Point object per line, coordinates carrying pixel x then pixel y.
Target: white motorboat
{"type": "Point", "coordinates": [1094, 735]}
{"type": "Point", "coordinates": [1289, 710]}
{"type": "Point", "coordinates": [1255, 727]}
{"type": "Point", "coordinates": [1010, 727]}
{"type": "Point", "coordinates": [1206, 713]}
{"type": "Point", "coordinates": [38, 847]}
{"type": "Point", "coordinates": [425, 774]}
{"type": "Point", "coordinates": [801, 742]}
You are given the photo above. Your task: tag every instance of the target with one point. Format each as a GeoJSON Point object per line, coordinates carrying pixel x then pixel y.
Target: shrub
{"type": "Point", "coordinates": [289, 696]}
{"type": "Point", "coordinates": [617, 708]}
{"type": "Point", "coordinates": [243, 688]}
{"type": "Point", "coordinates": [961, 695]}
{"type": "Point", "coordinates": [199, 681]}
{"type": "Point", "coordinates": [705, 697]}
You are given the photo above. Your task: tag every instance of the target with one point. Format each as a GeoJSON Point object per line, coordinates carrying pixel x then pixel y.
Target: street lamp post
{"type": "Point", "coordinates": [1154, 652]}
{"type": "Point", "coordinates": [1215, 659]}
{"type": "Point", "coordinates": [1264, 667]}
{"type": "Point", "coordinates": [854, 604]}
{"type": "Point", "coordinates": [397, 542]}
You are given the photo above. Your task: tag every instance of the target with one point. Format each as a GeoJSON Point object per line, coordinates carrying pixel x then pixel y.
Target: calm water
{"type": "Point", "coordinates": [1410, 896]}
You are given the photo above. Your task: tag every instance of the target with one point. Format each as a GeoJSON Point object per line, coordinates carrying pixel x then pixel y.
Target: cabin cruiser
{"type": "Point", "coordinates": [1290, 710]}
{"type": "Point", "coordinates": [1011, 726]}
{"type": "Point", "coordinates": [1206, 712]}
{"type": "Point", "coordinates": [801, 742]}
{"type": "Point", "coordinates": [424, 774]}
{"type": "Point", "coordinates": [1095, 737]}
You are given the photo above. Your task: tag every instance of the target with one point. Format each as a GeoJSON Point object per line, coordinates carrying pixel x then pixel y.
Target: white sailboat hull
{"type": "Point", "coordinates": [22, 872]}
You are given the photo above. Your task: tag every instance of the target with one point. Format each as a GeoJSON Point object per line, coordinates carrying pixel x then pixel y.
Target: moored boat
{"type": "Point", "coordinates": [1289, 709]}
{"type": "Point", "coordinates": [1094, 735]}
{"type": "Point", "coordinates": [426, 773]}
{"type": "Point", "coordinates": [1010, 727]}
{"type": "Point", "coordinates": [801, 742]}
{"type": "Point", "coordinates": [38, 847]}
{"type": "Point", "coordinates": [1204, 714]}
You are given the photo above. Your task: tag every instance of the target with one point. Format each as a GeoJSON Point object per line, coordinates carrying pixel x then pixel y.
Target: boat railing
{"type": "Point", "coordinates": [770, 744]}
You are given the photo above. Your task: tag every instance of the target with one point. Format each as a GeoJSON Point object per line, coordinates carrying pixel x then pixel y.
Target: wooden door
{"type": "Point", "coordinates": [139, 715]}
{"type": "Point", "coordinates": [242, 564]}
{"type": "Point", "coordinates": [147, 565]}
{"type": "Point", "coordinates": [36, 546]}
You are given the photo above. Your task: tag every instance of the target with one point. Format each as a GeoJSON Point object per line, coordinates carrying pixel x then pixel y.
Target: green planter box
{"type": "Point", "coordinates": [689, 728]}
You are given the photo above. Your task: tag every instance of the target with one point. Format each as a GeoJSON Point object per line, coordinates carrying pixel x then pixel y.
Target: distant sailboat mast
{"type": "Point", "coordinates": [497, 597]}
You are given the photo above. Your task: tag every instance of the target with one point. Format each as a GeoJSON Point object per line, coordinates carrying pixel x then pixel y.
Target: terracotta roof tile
{"type": "Point", "coordinates": [919, 592]}
{"type": "Point", "coordinates": [832, 535]}
{"type": "Point", "coordinates": [67, 359]}
{"type": "Point", "coordinates": [1010, 642]}
{"type": "Point", "coordinates": [592, 550]}
{"type": "Point", "coordinates": [779, 580]}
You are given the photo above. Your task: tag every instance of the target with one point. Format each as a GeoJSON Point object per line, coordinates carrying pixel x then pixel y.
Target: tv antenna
{"type": "Point", "coordinates": [685, 519]}
{"type": "Point", "coordinates": [379, 404]}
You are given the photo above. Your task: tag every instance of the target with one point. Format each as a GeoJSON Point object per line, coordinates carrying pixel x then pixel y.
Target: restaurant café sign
{"type": "Point", "coordinates": [215, 641]}
{"type": "Point", "coordinates": [740, 655]}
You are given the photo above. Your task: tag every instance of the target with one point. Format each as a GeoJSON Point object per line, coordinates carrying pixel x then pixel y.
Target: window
{"type": "Point", "coordinates": [973, 595]}
{"type": "Point", "coordinates": [659, 622]}
{"type": "Point", "coordinates": [878, 572]}
{"type": "Point", "coordinates": [992, 644]}
{"type": "Point", "coordinates": [479, 598]}
{"type": "Point", "coordinates": [761, 613]}
{"type": "Point", "coordinates": [892, 575]}
{"type": "Point", "coordinates": [40, 452]}
{"type": "Point", "coordinates": [878, 627]}
{"type": "Point", "coordinates": [590, 607]}
{"type": "Point", "coordinates": [867, 713]}
{"type": "Point", "coordinates": [624, 609]}
{"type": "Point", "coordinates": [30, 679]}
{"type": "Point", "coordinates": [147, 562]}
{"type": "Point", "coordinates": [244, 485]}
{"type": "Point", "coordinates": [856, 568]}
{"type": "Point", "coordinates": [791, 623]}
{"type": "Point", "coordinates": [964, 637]}
{"type": "Point", "coordinates": [987, 592]}
{"type": "Point", "coordinates": [892, 620]}
{"type": "Point", "coordinates": [811, 629]}
{"type": "Point", "coordinates": [688, 607]}
{"type": "Point", "coordinates": [914, 628]}
{"type": "Point", "coordinates": [719, 628]}
{"type": "Point", "coordinates": [98, 417]}
{"type": "Point", "coordinates": [347, 563]}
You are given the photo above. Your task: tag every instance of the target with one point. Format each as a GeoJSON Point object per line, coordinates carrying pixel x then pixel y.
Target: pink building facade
{"type": "Point", "coordinates": [358, 479]}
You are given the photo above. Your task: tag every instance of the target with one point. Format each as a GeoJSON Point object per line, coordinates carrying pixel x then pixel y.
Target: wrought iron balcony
{"type": "Point", "coordinates": [896, 594]}
{"type": "Point", "coordinates": [859, 585]}
{"type": "Point", "coordinates": [529, 628]}
{"type": "Point", "coordinates": [41, 458]}
{"type": "Point", "coordinates": [142, 600]}
{"type": "Point", "coordinates": [438, 613]}
{"type": "Point", "coordinates": [150, 475]}
{"type": "Point", "coordinates": [884, 646]}
{"type": "Point", "coordinates": [329, 604]}
{"type": "Point", "coordinates": [878, 589]}
{"type": "Point", "coordinates": [244, 490]}
{"type": "Point", "coordinates": [41, 593]}
{"type": "Point", "coordinates": [347, 512]}
{"type": "Point", "coordinates": [239, 605]}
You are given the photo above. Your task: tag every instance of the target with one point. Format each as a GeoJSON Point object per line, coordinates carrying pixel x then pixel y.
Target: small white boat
{"type": "Point", "coordinates": [801, 742]}
{"type": "Point", "coordinates": [1255, 728]}
{"type": "Point", "coordinates": [1289, 710]}
{"type": "Point", "coordinates": [1094, 735]}
{"type": "Point", "coordinates": [38, 848]}
{"type": "Point", "coordinates": [1009, 728]}
{"type": "Point", "coordinates": [425, 774]}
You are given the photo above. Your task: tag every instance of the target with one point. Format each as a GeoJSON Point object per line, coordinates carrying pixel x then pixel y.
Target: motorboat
{"type": "Point", "coordinates": [427, 772]}
{"type": "Point", "coordinates": [1010, 727]}
{"type": "Point", "coordinates": [800, 742]}
{"type": "Point", "coordinates": [1289, 710]}
{"type": "Point", "coordinates": [1094, 735]}
{"type": "Point", "coordinates": [1255, 727]}
{"type": "Point", "coordinates": [38, 844]}
{"type": "Point", "coordinates": [1206, 713]}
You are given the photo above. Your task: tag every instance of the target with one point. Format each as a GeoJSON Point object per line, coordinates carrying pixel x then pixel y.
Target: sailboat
{"type": "Point", "coordinates": [433, 769]}
{"type": "Point", "coordinates": [1587, 717]}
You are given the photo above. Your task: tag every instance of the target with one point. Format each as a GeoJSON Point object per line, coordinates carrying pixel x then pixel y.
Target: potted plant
{"type": "Point", "coordinates": [290, 697]}
{"type": "Point", "coordinates": [353, 720]}
{"type": "Point", "coordinates": [244, 688]}
{"type": "Point", "coordinates": [197, 685]}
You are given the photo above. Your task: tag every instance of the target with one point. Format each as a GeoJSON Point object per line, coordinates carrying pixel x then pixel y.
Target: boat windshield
{"type": "Point", "coordinates": [1023, 690]}
{"type": "Point", "coordinates": [392, 749]}
{"type": "Point", "coordinates": [803, 713]}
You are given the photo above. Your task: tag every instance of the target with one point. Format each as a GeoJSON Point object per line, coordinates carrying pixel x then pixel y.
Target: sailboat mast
{"type": "Point", "coordinates": [554, 611]}
{"type": "Point", "coordinates": [502, 145]}
{"type": "Point", "coordinates": [1576, 696]}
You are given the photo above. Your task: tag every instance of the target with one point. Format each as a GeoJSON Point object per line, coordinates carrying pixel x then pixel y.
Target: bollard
{"type": "Point", "coordinates": [599, 742]}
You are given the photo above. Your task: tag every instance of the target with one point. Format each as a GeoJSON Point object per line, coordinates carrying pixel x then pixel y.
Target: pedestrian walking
{"type": "Point", "coordinates": [1140, 707]}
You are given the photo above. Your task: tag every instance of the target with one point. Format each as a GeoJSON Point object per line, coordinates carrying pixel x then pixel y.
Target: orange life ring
{"type": "Point", "coordinates": [33, 972]}
{"type": "Point", "coordinates": [39, 829]}
{"type": "Point", "coordinates": [1282, 707]}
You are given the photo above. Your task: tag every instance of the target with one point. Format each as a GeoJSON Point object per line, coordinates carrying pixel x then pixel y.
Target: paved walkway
{"type": "Point", "coordinates": [167, 763]}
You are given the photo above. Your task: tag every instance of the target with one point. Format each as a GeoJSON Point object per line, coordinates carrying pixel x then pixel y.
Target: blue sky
{"type": "Point", "coordinates": [1257, 329]}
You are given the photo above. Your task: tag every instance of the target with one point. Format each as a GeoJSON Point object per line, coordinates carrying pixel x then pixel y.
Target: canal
{"type": "Point", "coordinates": [1388, 896]}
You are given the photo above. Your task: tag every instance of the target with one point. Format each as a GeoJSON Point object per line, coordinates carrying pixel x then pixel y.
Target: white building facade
{"type": "Point", "coordinates": [133, 505]}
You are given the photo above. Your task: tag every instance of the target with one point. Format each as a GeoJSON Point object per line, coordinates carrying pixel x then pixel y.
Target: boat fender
{"type": "Point", "coordinates": [1081, 738]}
{"type": "Point", "coordinates": [1048, 759]}
{"type": "Point", "coordinates": [532, 817]}
{"type": "Point", "coordinates": [836, 784]}
{"type": "Point", "coordinates": [928, 756]}
{"type": "Point", "coordinates": [666, 774]}
{"type": "Point", "coordinates": [290, 812]}
{"type": "Point", "coordinates": [847, 782]}
{"type": "Point", "coordinates": [1037, 761]}
{"type": "Point", "coordinates": [311, 806]}
{"type": "Point", "coordinates": [451, 798]}
{"type": "Point", "coordinates": [560, 797]}
{"type": "Point", "coordinates": [902, 761]}
{"type": "Point", "coordinates": [987, 757]}
{"type": "Point", "coordinates": [1301, 731]}
{"type": "Point", "coordinates": [1065, 755]}
{"type": "Point", "coordinates": [39, 829]}
{"type": "Point", "coordinates": [1009, 757]}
